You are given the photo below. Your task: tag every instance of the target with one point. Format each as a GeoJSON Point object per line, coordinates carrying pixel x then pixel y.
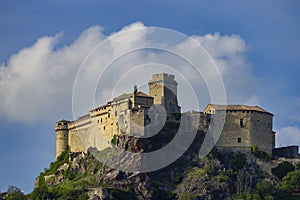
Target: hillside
{"type": "Point", "coordinates": [220, 175]}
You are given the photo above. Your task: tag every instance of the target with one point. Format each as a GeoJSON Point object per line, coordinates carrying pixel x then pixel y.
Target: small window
{"type": "Point", "coordinates": [242, 122]}
{"type": "Point", "coordinates": [104, 127]}
{"type": "Point", "coordinates": [116, 113]}
{"type": "Point", "coordinates": [108, 115]}
{"type": "Point", "coordinates": [98, 121]}
{"type": "Point", "coordinates": [239, 140]}
{"type": "Point", "coordinates": [101, 120]}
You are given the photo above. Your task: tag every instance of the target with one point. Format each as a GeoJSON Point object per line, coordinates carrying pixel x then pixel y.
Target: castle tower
{"type": "Point", "coordinates": [61, 129]}
{"type": "Point", "coordinates": [163, 88]}
{"type": "Point", "coordinates": [134, 96]}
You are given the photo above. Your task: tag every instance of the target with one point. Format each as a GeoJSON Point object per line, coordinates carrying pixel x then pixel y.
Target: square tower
{"type": "Point", "coordinates": [163, 88]}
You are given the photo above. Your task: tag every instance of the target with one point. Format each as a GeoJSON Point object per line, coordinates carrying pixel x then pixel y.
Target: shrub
{"type": "Point", "coordinates": [298, 166]}
{"type": "Point", "coordinates": [176, 116]}
{"type": "Point", "coordinates": [292, 181]}
{"type": "Point", "coordinates": [261, 154]}
{"type": "Point", "coordinates": [119, 194]}
{"type": "Point", "coordinates": [15, 193]}
{"type": "Point", "coordinates": [114, 140]}
{"type": "Point", "coordinates": [189, 196]}
{"type": "Point", "coordinates": [239, 160]}
{"type": "Point", "coordinates": [63, 158]}
{"type": "Point", "coordinates": [282, 169]}
{"type": "Point", "coordinates": [254, 149]}
{"type": "Point", "coordinates": [264, 188]}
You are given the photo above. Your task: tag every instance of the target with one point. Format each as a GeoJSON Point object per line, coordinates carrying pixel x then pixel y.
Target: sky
{"type": "Point", "coordinates": [254, 44]}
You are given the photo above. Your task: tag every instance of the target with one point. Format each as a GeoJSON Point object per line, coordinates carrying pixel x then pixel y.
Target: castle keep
{"type": "Point", "coordinates": [130, 114]}
{"type": "Point", "coordinates": [244, 126]}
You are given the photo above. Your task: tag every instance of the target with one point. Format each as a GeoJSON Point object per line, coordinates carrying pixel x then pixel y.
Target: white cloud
{"type": "Point", "coordinates": [289, 135]}
{"type": "Point", "coordinates": [37, 82]}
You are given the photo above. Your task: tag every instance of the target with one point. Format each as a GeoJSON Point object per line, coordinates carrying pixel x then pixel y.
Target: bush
{"type": "Point", "coordinates": [15, 193]}
{"type": "Point", "coordinates": [292, 181]}
{"type": "Point", "coordinates": [282, 169]}
{"type": "Point", "coordinates": [239, 160]}
{"type": "Point", "coordinates": [186, 195]}
{"type": "Point", "coordinates": [298, 166]}
{"type": "Point", "coordinates": [254, 149]}
{"type": "Point", "coordinates": [261, 154]}
{"type": "Point", "coordinates": [264, 188]}
{"type": "Point", "coordinates": [176, 116]}
{"type": "Point", "coordinates": [114, 140]}
{"type": "Point", "coordinates": [119, 194]}
{"type": "Point", "coordinates": [63, 158]}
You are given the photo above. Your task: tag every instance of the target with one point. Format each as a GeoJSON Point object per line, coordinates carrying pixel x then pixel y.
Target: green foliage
{"type": "Point", "coordinates": [177, 116]}
{"type": "Point", "coordinates": [254, 149]}
{"type": "Point", "coordinates": [178, 178]}
{"type": "Point", "coordinates": [41, 181]}
{"type": "Point", "coordinates": [232, 160]}
{"type": "Point", "coordinates": [40, 193]}
{"type": "Point", "coordinates": [239, 160]}
{"type": "Point", "coordinates": [187, 196]}
{"type": "Point", "coordinates": [196, 172]}
{"type": "Point", "coordinates": [265, 189]}
{"type": "Point", "coordinates": [231, 174]}
{"type": "Point", "coordinates": [63, 158]}
{"type": "Point", "coordinates": [97, 167]}
{"type": "Point", "coordinates": [162, 194]}
{"type": "Point", "coordinates": [68, 189]}
{"type": "Point", "coordinates": [298, 166]}
{"type": "Point", "coordinates": [119, 194]}
{"type": "Point", "coordinates": [222, 178]}
{"type": "Point", "coordinates": [14, 193]}
{"type": "Point", "coordinates": [114, 140]}
{"type": "Point", "coordinates": [261, 154]}
{"type": "Point", "coordinates": [291, 181]}
{"type": "Point", "coordinates": [282, 169]}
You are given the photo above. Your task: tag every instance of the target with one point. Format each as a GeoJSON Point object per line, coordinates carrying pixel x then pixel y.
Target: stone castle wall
{"type": "Point", "coordinates": [233, 134]}
{"type": "Point", "coordinates": [244, 127]}
{"type": "Point", "coordinates": [128, 114]}
{"type": "Point", "coordinates": [261, 131]}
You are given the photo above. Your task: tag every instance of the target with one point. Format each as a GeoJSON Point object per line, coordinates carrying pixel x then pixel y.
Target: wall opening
{"type": "Point", "coordinates": [242, 122]}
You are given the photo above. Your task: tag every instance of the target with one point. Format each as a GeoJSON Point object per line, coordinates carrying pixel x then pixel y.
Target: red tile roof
{"type": "Point", "coordinates": [239, 108]}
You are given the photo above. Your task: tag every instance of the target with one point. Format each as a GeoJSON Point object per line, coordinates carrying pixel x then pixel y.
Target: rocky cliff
{"type": "Point", "coordinates": [220, 175]}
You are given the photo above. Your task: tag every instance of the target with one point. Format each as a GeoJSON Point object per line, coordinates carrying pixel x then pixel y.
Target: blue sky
{"type": "Point", "coordinates": [267, 32]}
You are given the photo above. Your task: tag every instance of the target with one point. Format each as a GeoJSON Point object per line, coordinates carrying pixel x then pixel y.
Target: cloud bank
{"type": "Point", "coordinates": [36, 84]}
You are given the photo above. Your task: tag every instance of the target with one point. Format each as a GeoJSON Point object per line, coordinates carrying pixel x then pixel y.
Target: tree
{"type": "Point", "coordinates": [292, 181]}
{"type": "Point", "coordinates": [282, 169]}
{"type": "Point", "coordinates": [14, 193]}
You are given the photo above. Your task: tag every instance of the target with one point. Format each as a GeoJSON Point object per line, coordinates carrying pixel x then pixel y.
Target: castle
{"type": "Point", "coordinates": [131, 113]}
